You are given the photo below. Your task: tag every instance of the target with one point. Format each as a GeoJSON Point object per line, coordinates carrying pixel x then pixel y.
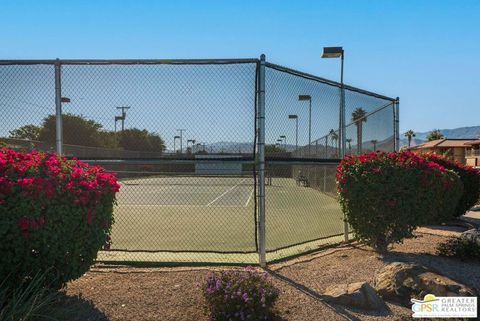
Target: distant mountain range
{"type": "Point", "coordinates": [420, 137]}
{"type": "Point", "coordinates": [461, 132]}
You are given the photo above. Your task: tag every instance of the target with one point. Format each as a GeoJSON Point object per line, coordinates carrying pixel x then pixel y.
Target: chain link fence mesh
{"type": "Point", "coordinates": [182, 137]}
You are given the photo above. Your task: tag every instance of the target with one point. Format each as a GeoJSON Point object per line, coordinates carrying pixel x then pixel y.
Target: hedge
{"type": "Point", "coordinates": [385, 196]}
{"type": "Point", "coordinates": [470, 178]}
{"type": "Point", "coordinates": [55, 215]}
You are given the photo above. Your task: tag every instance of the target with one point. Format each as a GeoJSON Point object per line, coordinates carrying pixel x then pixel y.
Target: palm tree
{"type": "Point", "coordinates": [334, 137]}
{"type": "Point", "coordinates": [409, 134]}
{"type": "Point", "coordinates": [374, 142]}
{"type": "Point", "coordinates": [349, 142]}
{"type": "Point", "coordinates": [359, 117]}
{"type": "Point", "coordinates": [434, 135]}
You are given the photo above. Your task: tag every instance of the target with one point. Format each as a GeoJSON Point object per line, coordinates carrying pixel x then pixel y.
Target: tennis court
{"type": "Point", "coordinates": [217, 214]}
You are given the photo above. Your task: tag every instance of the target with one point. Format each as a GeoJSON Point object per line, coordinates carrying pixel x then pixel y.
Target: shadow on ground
{"type": "Point", "coordinates": [75, 308]}
{"type": "Point", "coordinates": [346, 314]}
{"type": "Point", "coordinates": [466, 272]}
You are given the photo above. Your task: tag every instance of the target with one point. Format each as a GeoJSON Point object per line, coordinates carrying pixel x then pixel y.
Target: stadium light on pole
{"type": "Point", "coordinates": [284, 141]}
{"type": "Point", "coordinates": [174, 143]}
{"type": "Point", "coordinates": [296, 129]}
{"type": "Point", "coordinates": [309, 99]}
{"type": "Point", "coordinates": [338, 52]}
{"type": "Point", "coordinates": [279, 142]}
{"type": "Point", "coordinates": [191, 141]}
{"type": "Point", "coordinates": [181, 139]}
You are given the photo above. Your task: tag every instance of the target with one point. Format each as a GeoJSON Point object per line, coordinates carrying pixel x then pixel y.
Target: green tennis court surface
{"type": "Point", "coordinates": [205, 214]}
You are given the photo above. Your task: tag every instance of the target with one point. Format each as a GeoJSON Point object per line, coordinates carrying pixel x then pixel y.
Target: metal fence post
{"type": "Point", "coordinates": [58, 108]}
{"type": "Point", "coordinates": [397, 123]}
{"type": "Point", "coordinates": [261, 162]}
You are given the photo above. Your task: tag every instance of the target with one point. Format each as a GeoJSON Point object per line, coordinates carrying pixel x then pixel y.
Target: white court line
{"type": "Point", "coordinates": [173, 205]}
{"type": "Point", "coordinates": [249, 198]}
{"type": "Point", "coordinates": [223, 194]}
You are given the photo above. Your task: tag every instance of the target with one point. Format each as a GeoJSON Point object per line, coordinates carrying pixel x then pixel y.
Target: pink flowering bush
{"type": "Point", "coordinates": [385, 196]}
{"type": "Point", "coordinates": [55, 215]}
{"type": "Point", "coordinates": [240, 296]}
{"type": "Point", "coordinates": [470, 178]}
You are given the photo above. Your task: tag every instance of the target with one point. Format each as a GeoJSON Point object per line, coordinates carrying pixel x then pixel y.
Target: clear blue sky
{"type": "Point", "coordinates": [426, 52]}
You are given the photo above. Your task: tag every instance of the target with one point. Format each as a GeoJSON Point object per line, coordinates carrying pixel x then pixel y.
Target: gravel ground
{"type": "Point", "coordinates": [123, 293]}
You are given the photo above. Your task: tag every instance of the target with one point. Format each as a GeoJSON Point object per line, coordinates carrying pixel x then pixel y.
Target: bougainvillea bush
{"type": "Point", "coordinates": [470, 178]}
{"type": "Point", "coordinates": [55, 215]}
{"type": "Point", "coordinates": [385, 196]}
{"type": "Point", "coordinates": [240, 296]}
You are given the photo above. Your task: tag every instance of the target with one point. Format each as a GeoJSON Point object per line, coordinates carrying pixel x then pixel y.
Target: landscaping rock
{"type": "Point", "coordinates": [399, 282]}
{"type": "Point", "coordinates": [358, 295]}
{"type": "Point", "coordinates": [472, 235]}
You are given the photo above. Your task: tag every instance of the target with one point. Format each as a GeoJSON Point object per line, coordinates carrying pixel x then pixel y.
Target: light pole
{"type": "Point", "coordinates": [309, 99]}
{"type": "Point", "coordinates": [284, 141]}
{"type": "Point", "coordinates": [191, 141]}
{"type": "Point", "coordinates": [181, 139]}
{"type": "Point", "coordinates": [174, 143]}
{"type": "Point", "coordinates": [279, 142]}
{"type": "Point", "coordinates": [122, 118]}
{"type": "Point", "coordinates": [296, 129]}
{"type": "Point", "coordinates": [338, 52]}
{"type": "Point", "coordinates": [59, 124]}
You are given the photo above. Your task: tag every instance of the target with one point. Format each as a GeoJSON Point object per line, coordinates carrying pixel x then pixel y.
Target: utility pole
{"type": "Point", "coordinates": [181, 139]}
{"type": "Point", "coordinates": [124, 115]}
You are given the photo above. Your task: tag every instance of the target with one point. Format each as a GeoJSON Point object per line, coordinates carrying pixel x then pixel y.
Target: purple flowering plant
{"type": "Point", "coordinates": [240, 295]}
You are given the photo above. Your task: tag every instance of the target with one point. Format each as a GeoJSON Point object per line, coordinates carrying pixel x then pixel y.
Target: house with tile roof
{"type": "Point", "coordinates": [465, 151]}
{"type": "Point", "coordinates": [472, 156]}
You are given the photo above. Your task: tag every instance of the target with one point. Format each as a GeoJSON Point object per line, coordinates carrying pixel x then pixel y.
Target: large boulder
{"type": "Point", "coordinates": [358, 295]}
{"type": "Point", "coordinates": [472, 235]}
{"type": "Point", "coordinates": [399, 282]}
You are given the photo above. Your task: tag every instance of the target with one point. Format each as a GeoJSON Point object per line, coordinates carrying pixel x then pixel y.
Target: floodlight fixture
{"type": "Point", "coordinates": [296, 129]}
{"type": "Point", "coordinates": [309, 99]}
{"type": "Point", "coordinates": [332, 52]}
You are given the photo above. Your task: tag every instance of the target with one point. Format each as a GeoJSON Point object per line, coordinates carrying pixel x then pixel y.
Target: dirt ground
{"type": "Point", "coordinates": [124, 293]}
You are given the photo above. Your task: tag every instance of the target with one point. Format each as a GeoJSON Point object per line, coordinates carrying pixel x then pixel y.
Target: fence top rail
{"type": "Point", "coordinates": [328, 81]}
{"type": "Point", "coordinates": [227, 61]}
{"type": "Point", "coordinates": [222, 61]}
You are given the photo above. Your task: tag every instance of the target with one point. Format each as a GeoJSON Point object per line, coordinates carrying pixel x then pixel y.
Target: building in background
{"type": "Point", "coordinates": [462, 150]}
{"type": "Point", "coordinates": [472, 156]}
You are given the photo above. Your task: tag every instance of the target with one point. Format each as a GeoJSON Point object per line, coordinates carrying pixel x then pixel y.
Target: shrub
{"type": "Point", "coordinates": [385, 196]}
{"type": "Point", "coordinates": [240, 295]}
{"type": "Point", "coordinates": [459, 247]}
{"type": "Point", "coordinates": [470, 178]}
{"type": "Point", "coordinates": [55, 214]}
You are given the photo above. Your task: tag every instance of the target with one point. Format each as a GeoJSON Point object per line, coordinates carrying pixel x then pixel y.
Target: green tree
{"type": "Point", "coordinates": [359, 117]}
{"type": "Point", "coordinates": [409, 134]}
{"type": "Point", "coordinates": [77, 130]}
{"type": "Point", "coordinates": [30, 132]}
{"type": "Point", "coordinates": [434, 135]}
{"type": "Point", "coordinates": [107, 139]}
{"type": "Point", "coordinates": [140, 140]}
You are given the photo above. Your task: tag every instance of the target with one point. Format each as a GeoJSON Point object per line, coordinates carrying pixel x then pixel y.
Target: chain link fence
{"type": "Point", "coordinates": [219, 161]}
